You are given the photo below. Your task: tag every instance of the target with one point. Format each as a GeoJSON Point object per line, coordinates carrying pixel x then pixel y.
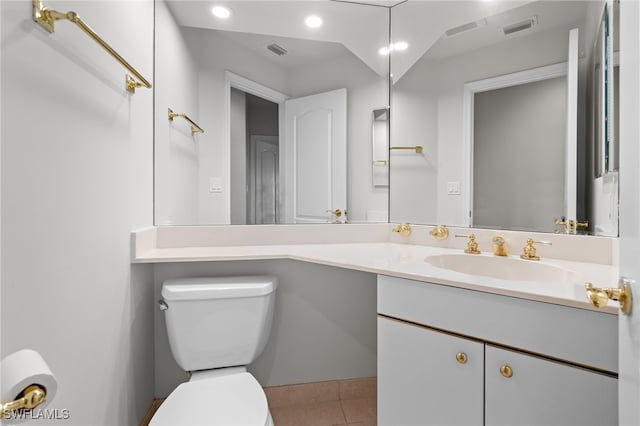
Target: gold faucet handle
{"type": "Point", "coordinates": [472, 245]}
{"type": "Point", "coordinates": [499, 246]}
{"type": "Point", "coordinates": [529, 251]}
{"type": "Point", "coordinates": [403, 229]}
{"type": "Point", "coordinates": [440, 232]}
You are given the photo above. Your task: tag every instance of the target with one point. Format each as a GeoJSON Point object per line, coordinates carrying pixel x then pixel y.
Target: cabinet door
{"type": "Point", "coordinates": [421, 381]}
{"type": "Point", "coordinates": [543, 392]}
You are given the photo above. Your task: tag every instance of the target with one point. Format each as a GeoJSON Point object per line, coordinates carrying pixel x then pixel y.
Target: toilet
{"type": "Point", "coordinates": [216, 327]}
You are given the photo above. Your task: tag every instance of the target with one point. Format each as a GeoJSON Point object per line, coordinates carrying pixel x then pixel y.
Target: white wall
{"type": "Point", "coordinates": [176, 149]}
{"type": "Point", "coordinates": [238, 153]}
{"type": "Point", "coordinates": [77, 177]}
{"type": "Point", "coordinates": [324, 324]}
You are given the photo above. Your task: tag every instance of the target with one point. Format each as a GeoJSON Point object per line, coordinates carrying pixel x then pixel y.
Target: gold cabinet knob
{"type": "Point", "coordinates": [506, 370]}
{"type": "Point", "coordinates": [461, 357]}
{"type": "Point", "coordinates": [599, 297]}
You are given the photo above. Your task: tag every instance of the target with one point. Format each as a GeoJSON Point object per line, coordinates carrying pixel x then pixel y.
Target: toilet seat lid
{"type": "Point", "coordinates": [236, 399]}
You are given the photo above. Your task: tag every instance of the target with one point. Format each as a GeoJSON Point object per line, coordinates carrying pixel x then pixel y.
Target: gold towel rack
{"type": "Point", "coordinates": [417, 149]}
{"type": "Point", "coordinates": [47, 17]}
{"type": "Point", "coordinates": [194, 127]}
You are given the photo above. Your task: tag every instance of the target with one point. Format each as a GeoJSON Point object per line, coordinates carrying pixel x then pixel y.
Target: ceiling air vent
{"type": "Point", "coordinates": [465, 27]}
{"type": "Point", "coordinates": [278, 50]}
{"type": "Point", "coordinates": [520, 26]}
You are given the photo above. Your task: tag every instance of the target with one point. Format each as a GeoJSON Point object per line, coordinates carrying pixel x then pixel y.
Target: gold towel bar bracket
{"type": "Point", "coordinates": [29, 398]}
{"type": "Point", "coordinates": [47, 17]}
{"type": "Point", "coordinates": [194, 127]}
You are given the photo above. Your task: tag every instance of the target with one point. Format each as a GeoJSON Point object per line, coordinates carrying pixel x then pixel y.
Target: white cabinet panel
{"type": "Point", "coordinates": [542, 392]}
{"type": "Point", "coordinates": [420, 381]}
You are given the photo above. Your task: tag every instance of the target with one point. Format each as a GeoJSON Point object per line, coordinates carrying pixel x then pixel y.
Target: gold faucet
{"type": "Point", "coordinates": [499, 246]}
{"type": "Point", "coordinates": [529, 251]}
{"type": "Point", "coordinates": [440, 232]}
{"type": "Point", "coordinates": [472, 245]}
{"type": "Point", "coordinates": [403, 229]}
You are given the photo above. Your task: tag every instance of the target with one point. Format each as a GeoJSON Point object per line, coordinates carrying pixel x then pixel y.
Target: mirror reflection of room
{"type": "Point", "coordinates": [504, 97]}
{"type": "Point", "coordinates": [286, 109]}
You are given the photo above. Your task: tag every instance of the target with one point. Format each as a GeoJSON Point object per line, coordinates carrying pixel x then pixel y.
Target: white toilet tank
{"type": "Point", "coordinates": [218, 322]}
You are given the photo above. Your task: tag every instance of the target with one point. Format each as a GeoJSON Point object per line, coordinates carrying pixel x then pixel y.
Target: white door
{"type": "Point", "coordinates": [629, 326]}
{"type": "Point", "coordinates": [315, 157]}
{"type": "Point", "coordinates": [571, 170]}
{"type": "Point", "coordinates": [263, 180]}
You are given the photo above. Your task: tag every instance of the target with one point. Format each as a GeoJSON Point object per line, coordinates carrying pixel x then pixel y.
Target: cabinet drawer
{"type": "Point", "coordinates": [576, 335]}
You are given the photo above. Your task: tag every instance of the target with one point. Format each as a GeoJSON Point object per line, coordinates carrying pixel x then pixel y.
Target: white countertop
{"type": "Point", "coordinates": [404, 261]}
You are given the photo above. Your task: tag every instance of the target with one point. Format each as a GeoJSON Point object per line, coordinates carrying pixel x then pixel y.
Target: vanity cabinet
{"type": "Point", "coordinates": [450, 356]}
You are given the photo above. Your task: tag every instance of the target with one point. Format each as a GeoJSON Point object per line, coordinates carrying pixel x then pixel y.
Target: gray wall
{"type": "Point", "coordinates": [324, 326]}
{"type": "Point", "coordinates": [77, 177]}
{"type": "Point", "coordinates": [519, 156]}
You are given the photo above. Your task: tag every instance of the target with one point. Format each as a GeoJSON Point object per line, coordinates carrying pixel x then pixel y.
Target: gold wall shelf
{"type": "Point", "coordinates": [194, 127]}
{"type": "Point", "coordinates": [417, 149]}
{"type": "Point", "coordinates": [47, 17]}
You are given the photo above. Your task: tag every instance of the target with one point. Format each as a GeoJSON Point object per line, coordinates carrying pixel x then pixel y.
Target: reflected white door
{"type": "Point", "coordinates": [571, 170]}
{"type": "Point", "coordinates": [263, 180]}
{"type": "Point", "coordinates": [315, 157]}
{"type": "Point", "coordinates": [629, 325]}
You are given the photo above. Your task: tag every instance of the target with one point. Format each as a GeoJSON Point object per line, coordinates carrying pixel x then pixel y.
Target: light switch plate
{"type": "Point", "coordinates": [453, 188]}
{"type": "Point", "coordinates": [215, 184]}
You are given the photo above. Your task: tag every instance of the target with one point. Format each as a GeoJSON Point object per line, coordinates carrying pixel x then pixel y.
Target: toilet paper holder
{"type": "Point", "coordinates": [29, 398]}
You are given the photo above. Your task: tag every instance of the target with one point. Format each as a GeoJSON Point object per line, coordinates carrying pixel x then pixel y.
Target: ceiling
{"type": "Point", "coordinates": [362, 29]}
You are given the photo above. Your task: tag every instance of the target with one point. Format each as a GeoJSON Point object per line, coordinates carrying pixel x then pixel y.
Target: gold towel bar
{"type": "Point", "coordinates": [194, 127]}
{"type": "Point", "coordinates": [47, 17]}
{"type": "Point", "coordinates": [417, 149]}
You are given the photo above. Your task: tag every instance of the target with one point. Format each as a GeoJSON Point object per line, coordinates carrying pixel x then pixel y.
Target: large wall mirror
{"type": "Point", "coordinates": [284, 92]}
{"type": "Point", "coordinates": [513, 107]}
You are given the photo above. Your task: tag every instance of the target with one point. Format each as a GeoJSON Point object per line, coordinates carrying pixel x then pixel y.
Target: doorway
{"type": "Point", "coordinates": [254, 159]}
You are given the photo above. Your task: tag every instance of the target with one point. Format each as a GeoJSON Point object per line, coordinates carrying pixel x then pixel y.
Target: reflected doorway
{"type": "Point", "coordinates": [254, 155]}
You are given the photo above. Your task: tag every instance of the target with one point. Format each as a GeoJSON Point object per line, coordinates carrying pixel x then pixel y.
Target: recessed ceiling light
{"type": "Point", "coordinates": [400, 45]}
{"type": "Point", "coordinates": [221, 12]}
{"type": "Point", "coordinates": [313, 21]}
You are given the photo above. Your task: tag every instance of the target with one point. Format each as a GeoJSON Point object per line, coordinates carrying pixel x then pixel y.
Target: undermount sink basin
{"type": "Point", "coordinates": [504, 268]}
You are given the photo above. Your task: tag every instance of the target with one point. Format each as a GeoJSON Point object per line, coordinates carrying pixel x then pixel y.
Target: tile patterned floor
{"type": "Point", "coordinates": [339, 402]}
{"type": "Point", "coordinates": [334, 403]}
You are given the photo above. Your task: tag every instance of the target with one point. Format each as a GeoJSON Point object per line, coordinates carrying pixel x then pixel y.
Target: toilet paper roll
{"type": "Point", "coordinates": [21, 369]}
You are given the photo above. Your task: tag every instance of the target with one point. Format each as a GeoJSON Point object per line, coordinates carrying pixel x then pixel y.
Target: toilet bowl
{"type": "Point", "coordinates": [217, 326]}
